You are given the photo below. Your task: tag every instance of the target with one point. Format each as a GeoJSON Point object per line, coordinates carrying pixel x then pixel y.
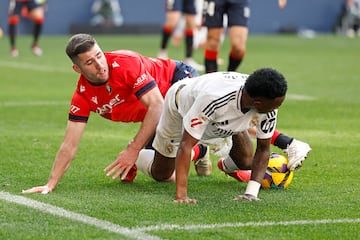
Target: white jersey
{"type": "Point", "coordinates": [208, 107]}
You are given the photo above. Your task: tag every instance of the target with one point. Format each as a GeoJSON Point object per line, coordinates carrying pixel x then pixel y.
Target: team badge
{"type": "Point", "coordinates": [82, 88]}
{"type": "Point", "coordinates": [169, 148]}
{"type": "Point", "coordinates": [254, 121]}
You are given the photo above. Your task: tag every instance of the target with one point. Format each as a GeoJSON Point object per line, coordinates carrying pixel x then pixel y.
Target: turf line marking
{"type": "Point", "coordinates": [138, 232]}
{"type": "Point", "coordinates": [34, 67]}
{"type": "Point", "coordinates": [246, 224]}
{"type": "Point", "coordinates": [57, 211]}
{"type": "Point", "coordinates": [299, 97]}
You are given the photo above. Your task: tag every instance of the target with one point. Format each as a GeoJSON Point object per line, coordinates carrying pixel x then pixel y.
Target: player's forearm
{"type": "Point", "coordinates": [62, 162]}
{"type": "Point", "coordinates": [182, 171]}
{"type": "Point", "coordinates": [259, 165]}
{"type": "Point", "coordinates": [147, 128]}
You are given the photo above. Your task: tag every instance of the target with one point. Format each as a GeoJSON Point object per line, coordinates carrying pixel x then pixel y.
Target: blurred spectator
{"type": "Point", "coordinates": [175, 9]}
{"type": "Point", "coordinates": [107, 13]}
{"type": "Point", "coordinates": [349, 19]}
{"type": "Point", "coordinates": [35, 11]}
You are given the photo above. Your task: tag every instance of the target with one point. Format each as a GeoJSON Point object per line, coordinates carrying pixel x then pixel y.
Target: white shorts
{"type": "Point", "coordinates": [170, 128]}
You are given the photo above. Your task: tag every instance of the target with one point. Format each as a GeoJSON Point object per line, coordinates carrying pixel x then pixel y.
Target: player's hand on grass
{"type": "Point", "coordinates": [185, 200]}
{"type": "Point", "coordinates": [122, 165]}
{"type": "Point", "coordinates": [247, 197]}
{"type": "Point", "coordinates": [40, 189]}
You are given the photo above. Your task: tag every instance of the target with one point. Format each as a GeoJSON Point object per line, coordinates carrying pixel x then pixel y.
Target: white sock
{"type": "Point", "coordinates": [145, 160]}
{"type": "Point", "coordinates": [229, 165]}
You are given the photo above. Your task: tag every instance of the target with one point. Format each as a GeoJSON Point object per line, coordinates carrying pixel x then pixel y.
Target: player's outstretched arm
{"type": "Point", "coordinates": [64, 157]}
{"type": "Point", "coordinates": [154, 102]}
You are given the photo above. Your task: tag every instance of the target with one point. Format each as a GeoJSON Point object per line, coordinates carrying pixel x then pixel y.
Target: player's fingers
{"type": "Point", "coordinates": [187, 200]}
{"type": "Point", "coordinates": [112, 171]}
{"type": "Point", "coordinates": [40, 189]}
{"type": "Point", "coordinates": [125, 173]}
{"type": "Point", "coordinates": [112, 165]}
{"type": "Point", "coordinates": [246, 197]}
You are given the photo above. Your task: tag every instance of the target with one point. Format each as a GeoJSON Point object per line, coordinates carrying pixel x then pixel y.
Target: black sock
{"type": "Point", "coordinates": [282, 141]}
{"type": "Point", "coordinates": [203, 150]}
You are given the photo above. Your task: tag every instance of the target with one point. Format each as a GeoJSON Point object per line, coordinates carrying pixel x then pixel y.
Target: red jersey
{"type": "Point", "coordinates": [130, 76]}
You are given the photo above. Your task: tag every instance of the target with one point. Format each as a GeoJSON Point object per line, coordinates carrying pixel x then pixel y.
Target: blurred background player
{"type": "Point", "coordinates": [351, 19]}
{"type": "Point", "coordinates": [35, 11]}
{"type": "Point", "coordinates": [106, 13]}
{"type": "Point", "coordinates": [238, 13]}
{"type": "Point", "coordinates": [174, 11]}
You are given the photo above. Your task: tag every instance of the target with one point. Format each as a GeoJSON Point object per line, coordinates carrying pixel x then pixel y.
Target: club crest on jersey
{"type": "Point", "coordinates": [254, 121]}
{"type": "Point", "coordinates": [108, 88]}
{"type": "Point", "coordinates": [169, 148]}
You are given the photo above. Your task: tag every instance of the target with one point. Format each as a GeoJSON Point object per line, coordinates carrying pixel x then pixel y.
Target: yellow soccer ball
{"type": "Point", "coordinates": [277, 174]}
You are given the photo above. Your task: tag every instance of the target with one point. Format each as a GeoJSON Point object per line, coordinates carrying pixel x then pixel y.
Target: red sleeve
{"type": "Point", "coordinates": [79, 109]}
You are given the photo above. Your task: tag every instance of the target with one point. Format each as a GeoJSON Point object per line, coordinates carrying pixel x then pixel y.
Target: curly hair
{"type": "Point", "coordinates": [79, 43]}
{"type": "Point", "coordinates": [267, 83]}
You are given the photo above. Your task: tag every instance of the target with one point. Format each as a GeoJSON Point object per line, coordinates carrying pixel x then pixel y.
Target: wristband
{"type": "Point", "coordinates": [252, 188]}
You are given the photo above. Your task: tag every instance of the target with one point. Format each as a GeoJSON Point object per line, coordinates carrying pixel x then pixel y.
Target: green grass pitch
{"type": "Point", "coordinates": [322, 108]}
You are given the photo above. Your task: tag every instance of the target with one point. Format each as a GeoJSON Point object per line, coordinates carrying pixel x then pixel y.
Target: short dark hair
{"type": "Point", "coordinates": [79, 43]}
{"type": "Point", "coordinates": [267, 83]}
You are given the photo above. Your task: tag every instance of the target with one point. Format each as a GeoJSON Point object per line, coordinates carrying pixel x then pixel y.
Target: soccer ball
{"type": "Point", "coordinates": [277, 175]}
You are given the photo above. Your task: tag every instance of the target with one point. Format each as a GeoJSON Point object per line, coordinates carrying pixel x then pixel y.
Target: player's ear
{"type": "Point", "coordinates": [76, 68]}
{"type": "Point", "coordinates": [257, 103]}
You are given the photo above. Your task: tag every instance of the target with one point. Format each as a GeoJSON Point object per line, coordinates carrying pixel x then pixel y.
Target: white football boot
{"type": "Point", "coordinates": [297, 151]}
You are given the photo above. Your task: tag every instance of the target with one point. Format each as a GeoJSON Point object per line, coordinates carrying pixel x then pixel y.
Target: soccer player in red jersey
{"type": "Point", "coordinates": [33, 9]}
{"type": "Point", "coordinates": [121, 86]}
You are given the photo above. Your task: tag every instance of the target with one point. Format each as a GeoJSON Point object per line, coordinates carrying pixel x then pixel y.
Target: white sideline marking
{"type": "Point", "coordinates": [246, 224]}
{"type": "Point", "coordinates": [299, 97]}
{"type": "Point", "coordinates": [108, 226]}
{"type": "Point", "coordinates": [138, 232]}
{"type": "Point", "coordinates": [34, 67]}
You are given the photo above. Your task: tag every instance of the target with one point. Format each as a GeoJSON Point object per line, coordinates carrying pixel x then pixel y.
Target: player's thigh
{"type": "Point", "coordinates": [163, 167]}
{"type": "Point", "coordinates": [242, 151]}
{"type": "Point", "coordinates": [213, 39]}
{"type": "Point", "coordinates": [172, 18]}
{"type": "Point", "coordinates": [37, 12]}
{"type": "Point", "coordinates": [238, 37]}
{"type": "Point", "coordinates": [190, 21]}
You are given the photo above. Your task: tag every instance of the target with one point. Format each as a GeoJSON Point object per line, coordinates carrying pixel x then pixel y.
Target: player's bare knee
{"type": "Point", "coordinates": [161, 175]}
{"type": "Point", "coordinates": [243, 162]}
{"type": "Point", "coordinates": [162, 168]}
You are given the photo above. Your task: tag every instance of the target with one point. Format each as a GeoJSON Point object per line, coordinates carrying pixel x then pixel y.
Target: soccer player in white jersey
{"type": "Point", "coordinates": [216, 105]}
